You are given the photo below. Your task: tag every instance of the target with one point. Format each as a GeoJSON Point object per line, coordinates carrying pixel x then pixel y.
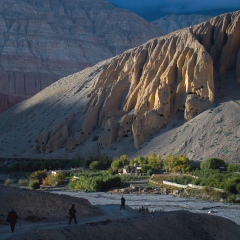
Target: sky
{"type": "Point", "coordinates": [165, 7]}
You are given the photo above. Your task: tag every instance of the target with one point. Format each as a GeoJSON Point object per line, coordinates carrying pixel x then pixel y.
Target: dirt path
{"type": "Point", "coordinates": [109, 212]}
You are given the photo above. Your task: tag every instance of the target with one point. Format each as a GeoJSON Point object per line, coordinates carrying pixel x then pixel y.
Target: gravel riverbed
{"type": "Point", "coordinates": [158, 202]}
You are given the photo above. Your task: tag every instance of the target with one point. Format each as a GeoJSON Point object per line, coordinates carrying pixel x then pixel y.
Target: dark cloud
{"type": "Point", "coordinates": [177, 6]}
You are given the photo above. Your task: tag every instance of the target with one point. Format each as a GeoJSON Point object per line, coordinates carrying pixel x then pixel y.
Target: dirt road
{"type": "Point", "coordinates": [109, 213]}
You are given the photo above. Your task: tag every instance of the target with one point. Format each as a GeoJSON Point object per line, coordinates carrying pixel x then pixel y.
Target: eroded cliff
{"type": "Point", "coordinates": [43, 41]}
{"type": "Point", "coordinates": [131, 96]}
{"type": "Point", "coordinates": [139, 91]}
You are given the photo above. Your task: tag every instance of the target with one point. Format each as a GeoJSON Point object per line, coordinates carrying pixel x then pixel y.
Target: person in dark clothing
{"type": "Point", "coordinates": [122, 203]}
{"type": "Point", "coordinates": [12, 219]}
{"type": "Point", "coordinates": [72, 212]}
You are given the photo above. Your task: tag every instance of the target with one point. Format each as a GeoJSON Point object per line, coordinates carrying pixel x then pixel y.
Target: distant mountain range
{"type": "Point", "coordinates": [171, 23]}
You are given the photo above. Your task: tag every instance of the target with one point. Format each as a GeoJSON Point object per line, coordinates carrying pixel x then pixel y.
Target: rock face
{"type": "Point", "coordinates": [131, 96]}
{"type": "Point", "coordinates": [43, 41]}
{"type": "Point", "coordinates": [171, 23]}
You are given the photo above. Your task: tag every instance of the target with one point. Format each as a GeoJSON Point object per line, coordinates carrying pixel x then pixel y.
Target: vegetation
{"type": "Point", "coordinates": [23, 182]}
{"type": "Point", "coordinates": [101, 163]}
{"type": "Point", "coordinates": [175, 164]}
{"type": "Point", "coordinates": [39, 175]}
{"type": "Point", "coordinates": [34, 184]}
{"type": "Point", "coordinates": [233, 167]}
{"type": "Point", "coordinates": [184, 180]}
{"type": "Point", "coordinates": [212, 163]}
{"type": "Point", "coordinates": [130, 177]}
{"type": "Point", "coordinates": [119, 163]}
{"type": "Point", "coordinates": [8, 182]}
{"type": "Point", "coordinates": [102, 173]}
{"type": "Point", "coordinates": [54, 180]}
{"type": "Point", "coordinates": [149, 164]}
{"type": "Point", "coordinates": [95, 181]}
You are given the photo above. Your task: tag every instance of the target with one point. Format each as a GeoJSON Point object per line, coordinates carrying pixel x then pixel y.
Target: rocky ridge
{"type": "Point", "coordinates": [171, 23]}
{"type": "Point", "coordinates": [130, 97]}
{"type": "Point", "coordinates": [43, 41]}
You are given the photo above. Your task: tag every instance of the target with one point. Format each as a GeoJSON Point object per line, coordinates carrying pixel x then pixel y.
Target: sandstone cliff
{"type": "Point", "coordinates": [128, 99]}
{"type": "Point", "coordinates": [43, 41]}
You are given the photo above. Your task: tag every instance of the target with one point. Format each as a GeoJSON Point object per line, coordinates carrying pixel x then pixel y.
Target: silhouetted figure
{"type": "Point", "coordinates": [72, 212]}
{"type": "Point", "coordinates": [122, 203]}
{"type": "Point", "coordinates": [12, 219]}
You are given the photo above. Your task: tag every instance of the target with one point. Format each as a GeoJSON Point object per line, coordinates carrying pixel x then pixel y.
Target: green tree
{"type": "Point", "coordinates": [34, 184]}
{"type": "Point", "coordinates": [119, 163]}
{"type": "Point", "coordinates": [116, 165]}
{"type": "Point", "coordinates": [177, 164]}
{"type": "Point", "coordinates": [212, 163]}
{"type": "Point", "coordinates": [155, 161]}
{"type": "Point", "coordinates": [39, 175]}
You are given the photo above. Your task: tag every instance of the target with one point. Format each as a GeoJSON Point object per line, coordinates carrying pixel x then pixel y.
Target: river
{"type": "Point", "coordinates": [159, 202]}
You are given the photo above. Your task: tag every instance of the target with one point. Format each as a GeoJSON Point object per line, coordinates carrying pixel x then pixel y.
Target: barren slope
{"type": "Point", "coordinates": [37, 205]}
{"type": "Point", "coordinates": [43, 41]}
{"type": "Point", "coordinates": [172, 225]}
{"type": "Point", "coordinates": [123, 102]}
{"type": "Point", "coordinates": [172, 23]}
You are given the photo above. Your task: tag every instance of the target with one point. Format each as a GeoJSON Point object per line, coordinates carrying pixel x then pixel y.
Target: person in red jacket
{"type": "Point", "coordinates": [12, 219]}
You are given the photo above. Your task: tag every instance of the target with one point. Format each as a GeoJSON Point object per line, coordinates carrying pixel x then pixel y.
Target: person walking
{"type": "Point", "coordinates": [122, 203]}
{"type": "Point", "coordinates": [12, 219]}
{"type": "Point", "coordinates": [72, 212]}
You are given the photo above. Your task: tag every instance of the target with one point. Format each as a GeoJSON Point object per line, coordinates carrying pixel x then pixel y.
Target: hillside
{"type": "Point", "coordinates": [172, 225]}
{"type": "Point", "coordinates": [171, 23]}
{"type": "Point", "coordinates": [43, 41]}
{"type": "Point", "coordinates": [144, 94]}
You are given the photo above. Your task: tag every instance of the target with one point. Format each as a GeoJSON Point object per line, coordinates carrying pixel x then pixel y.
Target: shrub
{"type": "Point", "coordinates": [149, 172]}
{"type": "Point", "coordinates": [238, 188]}
{"type": "Point", "coordinates": [39, 175]}
{"type": "Point", "coordinates": [23, 182]}
{"type": "Point", "coordinates": [196, 181]}
{"type": "Point", "coordinates": [233, 167]}
{"type": "Point", "coordinates": [181, 179]}
{"type": "Point", "coordinates": [95, 181]}
{"type": "Point", "coordinates": [127, 177]}
{"type": "Point", "coordinates": [54, 180]}
{"type": "Point", "coordinates": [213, 194]}
{"type": "Point", "coordinates": [205, 173]}
{"type": "Point", "coordinates": [34, 184]}
{"type": "Point", "coordinates": [101, 163]}
{"type": "Point", "coordinates": [8, 182]}
{"type": "Point", "coordinates": [231, 185]}
{"type": "Point", "coordinates": [212, 163]}
{"type": "Point", "coordinates": [231, 198]}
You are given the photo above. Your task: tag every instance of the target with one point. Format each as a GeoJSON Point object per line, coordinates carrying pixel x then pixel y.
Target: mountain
{"type": "Point", "coordinates": [171, 23]}
{"type": "Point", "coordinates": [181, 90]}
{"type": "Point", "coordinates": [43, 41]}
